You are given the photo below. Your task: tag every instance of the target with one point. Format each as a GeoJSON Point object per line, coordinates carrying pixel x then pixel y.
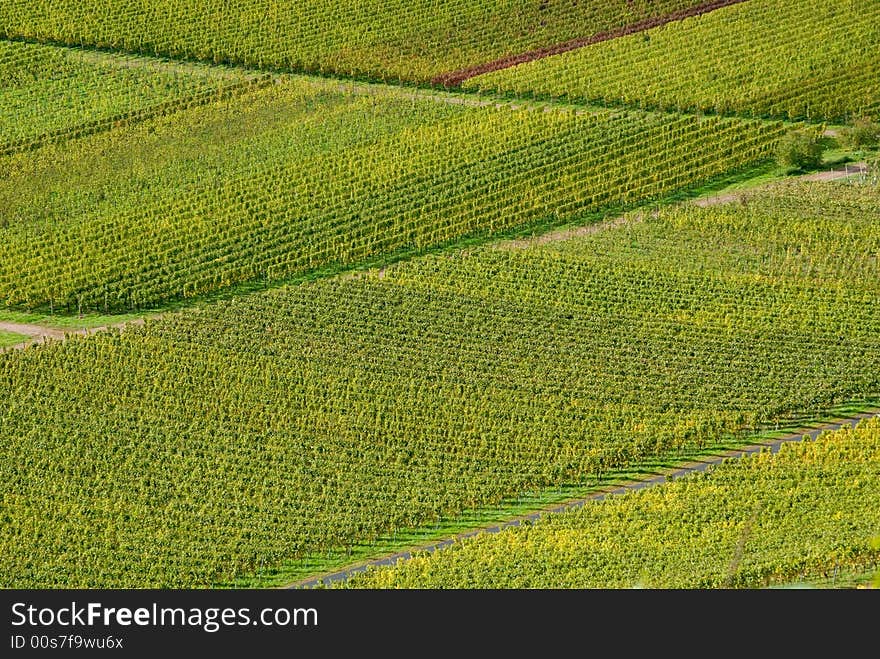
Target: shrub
{"type": "Point", "coordinates": [800, 149]}
{"type": "Point", "coordinates": [864, 132]}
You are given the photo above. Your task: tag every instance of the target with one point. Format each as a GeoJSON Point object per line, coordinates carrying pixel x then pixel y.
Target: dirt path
{"type": "Point", "coordinates": [40, 334]}
{"type": "Point", "coordinates": [122, 60]}
{"type": "Point", "coordinates": [455, 78]}
{"type": "Point", "coordinates": [691, 467]}
{"type": "Point", "coordinates": [844, 171]}
{"type": "Point", "coordinates": [34, 331]}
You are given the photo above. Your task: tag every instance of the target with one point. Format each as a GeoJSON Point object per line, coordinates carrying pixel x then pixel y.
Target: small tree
{"type": "Point", "coordinates": [864, 132]}
{"type": "Point", "coordinates": [799, 149]}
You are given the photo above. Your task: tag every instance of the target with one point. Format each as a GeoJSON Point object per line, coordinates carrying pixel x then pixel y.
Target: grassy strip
{"type": "Point", "coordinates": [762, 173]}
{"type": "Point", "coordinates": [71, 322]}
{"type": "Point", "coordinates": [10, 339]}
{"type": "Point", "coordinates": [528, 503]}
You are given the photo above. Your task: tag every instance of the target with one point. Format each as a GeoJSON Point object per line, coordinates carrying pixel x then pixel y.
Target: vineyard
{"type": "Point", "coordinates": [55, 94]}
{"type": "Point", "coordinates": [410, 40]}
{"type": "Point", "coordinates": [306, 176]}
{"type": "Point", "coordinates": [815, 61]}
{"type": "Point", "coordinates": [238, 438]}
{"type": "Point", "coordinates": [769, 519]}
{"type": "Point", "coordinates": [289, 289]}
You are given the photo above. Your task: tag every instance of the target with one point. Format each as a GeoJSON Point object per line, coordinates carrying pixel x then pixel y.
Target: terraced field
{"type": "Point", "coordinates": [250, 435]}
{"type": "Point", "coordinates": [55, 94]}
{"type": "Point", "coordinates": [410, 40]}
{"type": "Point", "coordinates": [805, 512]}
{"type": "Point", "coordinates": [306, 176]}
{"type": "Point", "coordinates": [308, 283]}
{"type": "Point", "coordinates": [816, 61]}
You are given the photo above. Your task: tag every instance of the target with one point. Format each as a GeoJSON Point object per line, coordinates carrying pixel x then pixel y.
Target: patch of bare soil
{"type": "Point", "coordinates": [720, 199]}
{"type": "Point", "coordinates": [33, 331]}
{"type": "Point", "coordinates": [849, 169]}
{"type": "Point", "coordinates": [40, 333]}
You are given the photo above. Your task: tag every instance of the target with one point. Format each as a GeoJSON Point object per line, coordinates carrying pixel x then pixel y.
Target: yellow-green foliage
{"type": "Point", "coordinates": [53, 94]}
{"type": "Point", "coordinates": [809, 510]}
{"type": "Point", "coordinates": [797, 60]}
{"type": "Point", "coordinates": [223, 442]}
{"type": "Point", "coordinates": [309, 175]}
{"type": "Point", "coordinates": [407, 39]}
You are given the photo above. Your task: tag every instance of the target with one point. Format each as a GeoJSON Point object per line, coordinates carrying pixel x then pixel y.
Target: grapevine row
{"type": "Point", "coordinates": [226, 441]}
{"type": "Point", "coordinates": [411, 40]}
{"type": "Point", "coordinates": [51, 94]}
{"type": "Point", "coordinates": [763, 520]}
{"type": "Point", "coordinates": [816, 61]}
{"type": "Point", "coordinates": [296, 197]}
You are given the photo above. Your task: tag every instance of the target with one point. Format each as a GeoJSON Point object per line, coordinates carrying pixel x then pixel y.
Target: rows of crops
{"type": "Point", "coordinates": [49, 93]}
{"type": "Point", "coordinates": [767, 519]}
{"type": "Point", "coordinates": [388, 39]}
{"type": "Point", "coordinates": [771, 58]}
{"type": "Point", "coordinates": [305, 176]}
{"type": "Point", "coordinates": [225, 441]}
{"type": "Point", "coordinates": [828, 234]}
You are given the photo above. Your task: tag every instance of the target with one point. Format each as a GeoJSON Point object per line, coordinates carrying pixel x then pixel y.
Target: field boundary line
{"type": "Point", "coordinates": [684, 469]}
{"type": "Point", "coordinates": [40, 333]}
{"type": "Point", "coordinates": [133, 117]}
{"type": "Point", "coordinates": [455, 78]}
{"type": "Point", "coordinates": [836, 173]}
